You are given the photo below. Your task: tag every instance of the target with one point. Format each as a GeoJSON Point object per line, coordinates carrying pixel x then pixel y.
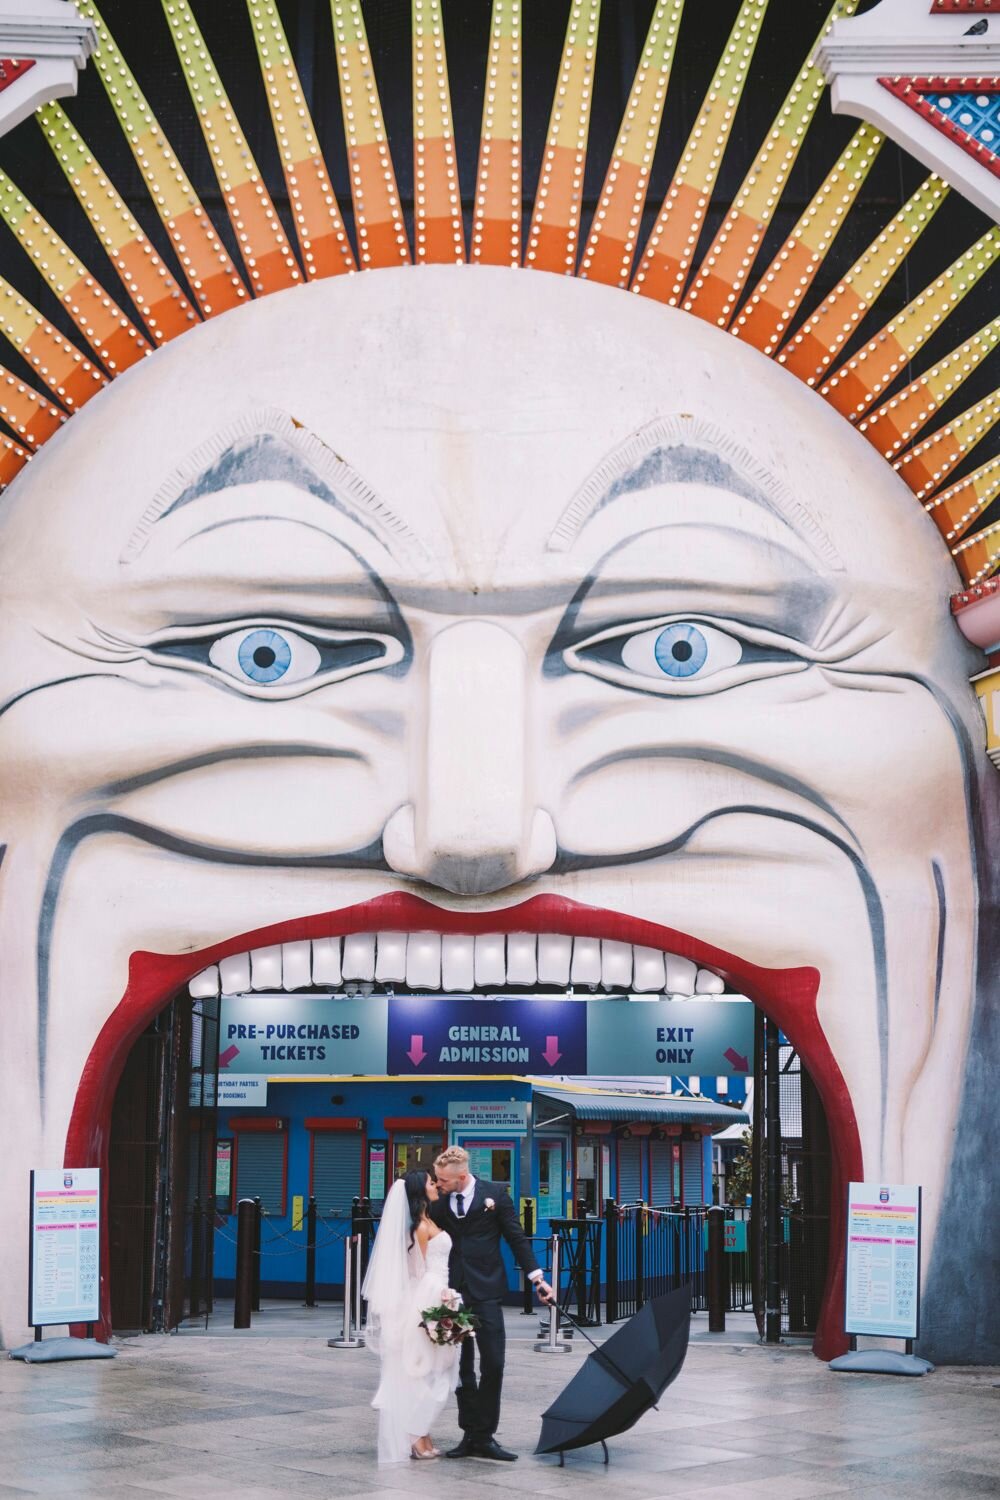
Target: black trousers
{"type": "Point", "coordinates": [479, 1400]}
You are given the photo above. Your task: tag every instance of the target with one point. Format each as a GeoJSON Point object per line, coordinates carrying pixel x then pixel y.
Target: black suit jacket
{"type": "Point", "coordinates": [476, 1268]}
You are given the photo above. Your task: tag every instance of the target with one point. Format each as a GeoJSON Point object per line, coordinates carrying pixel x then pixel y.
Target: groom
{"type": "Point", "coordinates": [476, 1214]}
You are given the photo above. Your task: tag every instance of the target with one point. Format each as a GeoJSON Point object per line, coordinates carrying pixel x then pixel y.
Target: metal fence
{"type": "Point", "coordinates": [653, 1250]}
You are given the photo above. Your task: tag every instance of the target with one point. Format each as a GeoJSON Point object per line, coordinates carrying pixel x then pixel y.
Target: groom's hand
{"type": "Point", "coordinates": [545, 1293]}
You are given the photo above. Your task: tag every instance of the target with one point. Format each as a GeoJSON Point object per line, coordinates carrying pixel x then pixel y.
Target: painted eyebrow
{"type": "Point", "coordinates": [269, 446]}
{"type": "Point", "coordinates": [677, 450]}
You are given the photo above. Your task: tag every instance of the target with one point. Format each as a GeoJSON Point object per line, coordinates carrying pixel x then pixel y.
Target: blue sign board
{"type": "Point", "coordinates": [438, 1034]}
{"type": "Point", "coordinates": [304, 1036]}
{"type": "Point", "coordinates": [709, 1038]}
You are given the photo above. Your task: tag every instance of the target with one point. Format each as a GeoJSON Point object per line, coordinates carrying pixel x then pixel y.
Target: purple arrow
{"type": "Point", "coordinates": [738, 1063]}
{"type": "Point", "coordinates": [225, 1058]}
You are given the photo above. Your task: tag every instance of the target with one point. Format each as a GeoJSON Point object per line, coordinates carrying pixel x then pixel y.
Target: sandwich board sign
{"type": "Point", "coordinates": [883, 1260]}
{"type": "Point", "coordinates": [64, 1273]}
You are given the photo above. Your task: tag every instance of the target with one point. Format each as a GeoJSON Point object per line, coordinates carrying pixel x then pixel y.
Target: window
{"type": "Point", "coordinates": [693, 1161]}
{"type": "Point", "coordinates": [629, 1171]}
{"type": "Point", "coordinates": [261, 1165]}
{"type": "Point", "coordinates": [336, 1170]}
{"type": "Point", "coordinates": [660, 1173]}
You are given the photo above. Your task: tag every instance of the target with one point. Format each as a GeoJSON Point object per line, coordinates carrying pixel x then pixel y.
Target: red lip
{"type": "Point", "coordinates": [787, 996]}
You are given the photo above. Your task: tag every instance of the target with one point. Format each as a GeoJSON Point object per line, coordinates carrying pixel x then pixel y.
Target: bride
{"type": "Point", "coordinates": [408, 1272]}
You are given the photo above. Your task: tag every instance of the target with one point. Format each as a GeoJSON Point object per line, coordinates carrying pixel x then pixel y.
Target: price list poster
{"type": "Point", "coordinates": [65, 1246]}
{"type": "Point", "coordinates": [883, 1260]}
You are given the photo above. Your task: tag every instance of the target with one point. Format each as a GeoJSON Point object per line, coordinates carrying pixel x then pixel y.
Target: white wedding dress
{"type": "Point", "coordinates": [418, 1378]}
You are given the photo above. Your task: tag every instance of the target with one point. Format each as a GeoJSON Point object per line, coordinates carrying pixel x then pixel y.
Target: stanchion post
{"type": "Point", "coordinates": [196, 1254]}
{"type": "Point", "coordinates": [772, 1113]}
{"type": "Point", "coordinates": [311, 1253]}
{"type": "Point", "coordinates": [553, 1344]}
{"type": "Point", "coordinates": [256, 1254]}
{"type": "Point", "coordinates": [640, 1246]}
{"type": "Point", "coordinates": [246, 1214]}
{"type": "Point", "coordinates": [611, 1295]}
{"type": "Point", "coordinates": [352, 1296]}
{"type": "Point", "coordinates": [528, 1304]}
{"type": "Point", "coordinates": [358, 1278]}
{"type": "Point", "coordinates": [716, 1269]}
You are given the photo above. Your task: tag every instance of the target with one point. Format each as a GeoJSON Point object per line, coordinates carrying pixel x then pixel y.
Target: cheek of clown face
{"type": "Point", "coordinates": [483, 585]}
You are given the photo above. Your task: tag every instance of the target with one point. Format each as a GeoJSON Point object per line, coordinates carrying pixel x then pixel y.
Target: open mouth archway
{"type": "Point", "coordinates": [788, 997]}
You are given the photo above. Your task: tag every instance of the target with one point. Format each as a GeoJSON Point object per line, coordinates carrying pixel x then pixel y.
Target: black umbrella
{"type": "Point", "coordinates": [623, 1377]}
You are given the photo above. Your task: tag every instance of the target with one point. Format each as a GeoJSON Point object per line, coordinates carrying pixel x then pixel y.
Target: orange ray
{"type": "Point", "coordinates": [930, 462]}
{"type": "Point", "coordinates": [496, 214]}
{"type": "Point", "coordinates": [26, 412]}
{"type": "Point", "coordinates": [899, 419]}
{"type": "Point", "coordinates": [954, 510]}
{"type": "Point", "coordinates": [439, 235]}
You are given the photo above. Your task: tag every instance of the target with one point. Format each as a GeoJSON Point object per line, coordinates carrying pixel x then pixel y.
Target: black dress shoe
{"type": "Point", "coordinates": [465, 1449]}
{"type": "Point", "coordinates": [492, 1449]}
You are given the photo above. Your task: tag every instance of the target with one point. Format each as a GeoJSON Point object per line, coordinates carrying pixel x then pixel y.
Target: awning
{"type": "Point", "coordinates": [658, 1109]}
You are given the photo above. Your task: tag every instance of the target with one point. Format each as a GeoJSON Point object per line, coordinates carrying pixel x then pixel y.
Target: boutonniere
{"type": "Point", "coordinates": [488, 1204]}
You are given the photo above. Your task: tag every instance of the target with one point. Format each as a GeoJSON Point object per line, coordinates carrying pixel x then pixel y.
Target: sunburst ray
{"type": "Point", "coordinates": [553, 239]}
{"type": "Point", "coordinates": [610, 247]}
{"type": "Point", "coordinates": [378, 215]}
{"type": "Point", "coordinates": [928, 465]}
{"type": "Point", "coordinates": [27, 413]}
{"type": "Point", "coordinates": [729, 260]}
{"type": "Point", "coordinates": [956, 508]}
{"type": "Point", "coordinates": [497, 209]}
{"type": "Point", "coordinates": [323, 244]}
{"type": "Point", "coordinates": [811, 352]}
{"type": "Point", "coordinates": [778, 295]}
{"type": "Point", "coordinates": [673, 241]}
{"type": "Point", "coordinates": [215, 283]}
{"type": "Point", "coordinates": [898, 420]}
{"type": "Point", "coordinates": [156, 293]}
{"type": "Point", "coordinates": [438, 232]}
{"type": "Point", "coordinates": [264, 247]}
{"type": "Point", "coordinates": [979, 556]}
{"type": "Point", "coordinates": [862, 379]}
{"type": "Point", "coordinates": [67, 373]}
{"type": "Point", "coordinates": [12, 460]}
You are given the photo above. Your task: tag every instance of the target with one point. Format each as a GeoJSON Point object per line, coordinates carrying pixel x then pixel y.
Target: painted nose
{"type": "Point", "coordinates": [473, 826]}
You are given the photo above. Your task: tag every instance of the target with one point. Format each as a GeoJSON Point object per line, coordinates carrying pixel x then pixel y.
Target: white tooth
{"type": "Point", "coordinates": [296, 968]}
{"type": "Point", "coordinates": [326, 960]}
{"type": "Point", "coordinates": [265, 968]}
{"type": "Point", "coordinates": [708, 983]}
{"type": "Point", "coordinates": [680, 975]}
{"type": "Point", "coordinates": [390, 957]}
{"type": "Point", "coordinates": [616, 965]}
{"type": "Point", "coordinates": [458, 965]}
{"type": "Point", "coordinates": [586, 965]}
{"type": "Point", "coordinates": [491, 967]}
{"type": "Point", "coordinates": [423, 961]}
{"type": "Point", "coordinates": [554, 954]}
{"type": "Point", "coordinates": [359, 955]}
{"type": "Point", "coordinates": [650, 971]}
{"type": "Point", "coordinates": [522, 967]}
{"type": "Point", "coordinates": [235, 974]}
{"type": "Point", "coordinates": [204, 986]}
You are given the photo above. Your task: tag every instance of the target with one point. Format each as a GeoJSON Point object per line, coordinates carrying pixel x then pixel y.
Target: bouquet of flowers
{"type": "Point", "coordinates": [448, 1323]}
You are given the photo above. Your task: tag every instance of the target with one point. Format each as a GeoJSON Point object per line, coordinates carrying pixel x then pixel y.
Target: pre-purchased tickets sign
{"type": "Point", "coordinates": [883, 1260]}
{"type": "Point", "coordinates": [65, 1269]}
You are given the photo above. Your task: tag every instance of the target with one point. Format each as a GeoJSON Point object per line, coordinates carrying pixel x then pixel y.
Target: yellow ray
{"type": "Point", "coordinates": [926, 466]}
{"type": "Point", "coordinates": [610, 246]}
{"type": "Point", "coordinates": [954, 509]}
{"type": "Point", "coordinates": [323, 242]}
{"type": "Point", "coordinates": [553, 238]}
{"type": "Point", "coordinates": [900, 418]}
{"type": "Point", "coordinates": [214, 281]}
{"type": "Point", "coordinates": [266, 252]}
{"type": "Point", "coordinates": [727, 265]}
{"type": "Point", "coordinates": [670, 249]}
{"type": "Point", "coordinates": [438, 232]}
{"type": "Point", "coordinates": [496, 214]}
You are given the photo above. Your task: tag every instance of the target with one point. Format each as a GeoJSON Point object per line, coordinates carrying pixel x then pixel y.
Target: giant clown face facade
{"type": "Point", "coordinates": [470, 600]}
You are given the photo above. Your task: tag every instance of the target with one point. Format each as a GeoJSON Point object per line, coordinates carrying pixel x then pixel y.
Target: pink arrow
{"type": "Point", "coordinates": [416, 1053]}
{"type": "Point", "coordinates": [225, 1058]}
{"type": "Point", "coordinates": [740, 1064]}
{"type": "Point", "coordinates": [552, 1053]}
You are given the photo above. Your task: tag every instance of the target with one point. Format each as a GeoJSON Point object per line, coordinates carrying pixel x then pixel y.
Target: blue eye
{"type": "Point", "coordinates": [680, 650]}
{"type": "Point", "coordinates": [264, 655]}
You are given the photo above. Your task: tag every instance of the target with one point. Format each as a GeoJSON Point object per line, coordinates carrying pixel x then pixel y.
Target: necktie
{"type": "Point", "coordinates": [460, 1205]}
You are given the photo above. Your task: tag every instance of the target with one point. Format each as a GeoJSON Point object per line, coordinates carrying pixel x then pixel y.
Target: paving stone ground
{"type": "Point", "coordinates": [275, 1418]}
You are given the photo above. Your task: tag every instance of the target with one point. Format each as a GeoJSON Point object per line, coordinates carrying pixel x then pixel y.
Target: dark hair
{"type": "Point", "coordinates": [416, 1197]}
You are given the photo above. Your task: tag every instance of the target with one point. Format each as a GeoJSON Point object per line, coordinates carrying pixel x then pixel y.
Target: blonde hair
{"type": "Point", "coordinates": [453, 1156]}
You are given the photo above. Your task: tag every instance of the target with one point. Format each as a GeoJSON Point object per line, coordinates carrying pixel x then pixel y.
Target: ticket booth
{"type": "Point", "coordinates": [414, 1143]}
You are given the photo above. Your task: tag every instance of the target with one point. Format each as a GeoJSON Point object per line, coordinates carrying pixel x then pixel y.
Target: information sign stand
{"type": "Point", "coordinates": [883, 1278]}
{"type": "Point", "coordinates": [64, 1263]}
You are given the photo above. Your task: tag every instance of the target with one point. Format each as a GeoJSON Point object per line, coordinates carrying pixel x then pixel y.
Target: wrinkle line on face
{"type": "Point", "coordinates": [369, 858]}
{"type": "Point", "coordinates": [219, 757]}
{"type": "Point", "coordinates": [567, 862]}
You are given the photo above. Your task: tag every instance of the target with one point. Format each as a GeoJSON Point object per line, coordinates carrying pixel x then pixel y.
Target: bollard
{"type": "Point", "coordinates": [311, 1253]}
{"type": "Point", "coordinates": [528, 1303]}
{"type": "Point", "coordinates": [246, 1213]}
{"type": "Point", "coordinates": [352, 1296]}
{"type": "Point", "coordinates": [196, 1256]}
{"type": "Point", "coordinates": [716, 1271]}
{"type": "Point", "coordinates": [554, 1344]}
{"type": "Point", "coordinates": [256, 1255]}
